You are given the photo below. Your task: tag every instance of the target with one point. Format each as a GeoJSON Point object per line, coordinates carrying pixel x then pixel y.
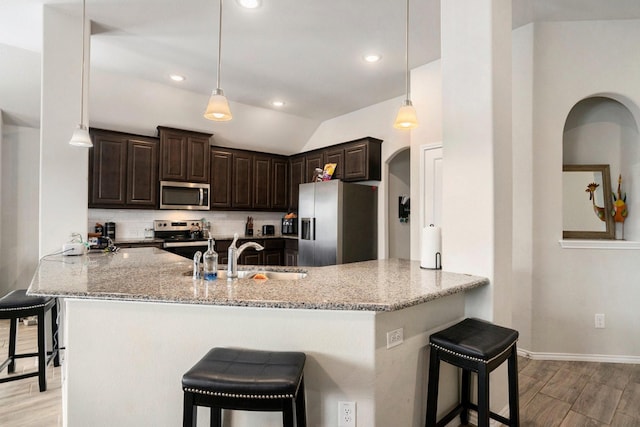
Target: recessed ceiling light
{"type": "Point", "coordinates": [177, 77]}
{"type": "Point", "coordinates": [277, 103]}
{"type": "Point", "coordinates": [372, 57]}
{"type": "Point", "coordinates": [249, 4]}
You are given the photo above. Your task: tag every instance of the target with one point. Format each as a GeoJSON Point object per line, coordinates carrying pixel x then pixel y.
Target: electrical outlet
{"type": "Point", "coordinates": [346, 414]}
{"type": "Point", "coordinates": [395, 337]}
{"type": "Point", "coordinates": [599, 320]}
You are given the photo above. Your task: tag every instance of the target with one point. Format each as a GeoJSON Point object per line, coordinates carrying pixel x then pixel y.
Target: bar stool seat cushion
{"type": "Point", "coordinates": [239, 373]}
{"type": "Point", "coordinates": [475, 339]}
{"type": "Point", "coordinates": [18, 300]}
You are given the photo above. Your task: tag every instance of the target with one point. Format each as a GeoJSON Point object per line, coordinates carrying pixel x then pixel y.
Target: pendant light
{"type": "Point", "coordinates": [406, 118]}
{"type": "Point", "coordinates": [80, 137]}
{"type": "Point", "coordinates": [218, 107]}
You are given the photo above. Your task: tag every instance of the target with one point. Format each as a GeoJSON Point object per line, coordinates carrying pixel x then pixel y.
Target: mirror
{"type": "Point", "coordinates": [586, 202]}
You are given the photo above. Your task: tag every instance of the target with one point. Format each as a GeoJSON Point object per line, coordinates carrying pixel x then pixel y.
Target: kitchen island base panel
{"type": "Point", "coordinates": [125, 360]}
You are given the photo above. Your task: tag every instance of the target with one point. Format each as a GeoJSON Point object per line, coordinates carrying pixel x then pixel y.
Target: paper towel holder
{"type": "Point", "coordinates": [438, 259]}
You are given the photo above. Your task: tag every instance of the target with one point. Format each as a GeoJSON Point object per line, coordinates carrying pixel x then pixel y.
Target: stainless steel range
{"type": "Point", "coordinates": [183, 238]}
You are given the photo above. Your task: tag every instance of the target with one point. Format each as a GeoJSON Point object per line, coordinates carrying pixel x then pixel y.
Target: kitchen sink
{"type": "Point", "coordinates": [271, 275]}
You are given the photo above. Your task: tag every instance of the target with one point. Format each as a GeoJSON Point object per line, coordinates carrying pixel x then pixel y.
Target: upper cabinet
{"type": "Point", "coordinates": [362, 160]}
{"type": "Point", "coordinates": [184, 155]}
{"type": "Point", "coordinates": [123, 170]}
{"type": "Point", "coordinates": [248, 180]}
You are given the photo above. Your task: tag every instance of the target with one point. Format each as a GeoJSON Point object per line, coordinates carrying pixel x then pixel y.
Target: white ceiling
{"type": "Point", "coordinates": [307, 53]}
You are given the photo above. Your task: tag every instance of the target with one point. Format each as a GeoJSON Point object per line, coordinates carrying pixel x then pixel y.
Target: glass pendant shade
{"type": "Point", "coordinates": [81, 137]}
{"type": "Point", "coordinates": [218, 107]}
{"type": "Point", "coordinates": [406, 118]}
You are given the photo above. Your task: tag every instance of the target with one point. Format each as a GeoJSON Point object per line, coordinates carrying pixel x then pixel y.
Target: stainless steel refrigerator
{"type": "Point", "coordinates": [338, 223]}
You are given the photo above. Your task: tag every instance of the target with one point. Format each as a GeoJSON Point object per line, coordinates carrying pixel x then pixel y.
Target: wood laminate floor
{"type": "Point", "coordinates": [552, 393]}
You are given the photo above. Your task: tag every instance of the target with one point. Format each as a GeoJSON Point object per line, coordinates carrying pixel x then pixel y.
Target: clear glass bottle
{"type": "Point", "coordinates": [210, 261]}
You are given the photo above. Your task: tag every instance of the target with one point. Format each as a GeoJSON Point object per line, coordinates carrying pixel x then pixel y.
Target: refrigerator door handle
{"type": "Point", "coordinates": [313, 228]}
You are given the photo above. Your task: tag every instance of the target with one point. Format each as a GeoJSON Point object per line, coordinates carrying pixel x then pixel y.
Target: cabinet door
{"type": "Point", "coordinates": [173, 156]}
{"type": "Point", "coordinates": [250, 257]}
{"type": "Point", "coordinates": [279, 184]}
{"type": "Point", "coordinates": [142, 173]}
{"type": "Point", "coordinates": [261, 182]}
{"type": "Point", "coordinates": [335, 155]}
{"type": "Point", "coordinates": [291, 257]}
{"type": "Point", "coordinates": [314, 160]}
{"type": "Point", "coordinates": [108, 170]}
{"type": "Point", "coordinates": [242, 180]}
{"type": "Point", "coordinates": [273, 257]}
{"type": "Point", "coordinates": [355, 159]}
{"type": "Point", "coordinates": [221, 178]}
{"type": "Point", "coordinates": [198, 159]}
{"type": "Point", "coordinates": [297, 167]}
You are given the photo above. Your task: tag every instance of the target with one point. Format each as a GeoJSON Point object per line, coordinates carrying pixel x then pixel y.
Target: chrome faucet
{"type": "Point", "coordinates": [196, 264]}
{"type": "Point", "coordinates": [234, 253]}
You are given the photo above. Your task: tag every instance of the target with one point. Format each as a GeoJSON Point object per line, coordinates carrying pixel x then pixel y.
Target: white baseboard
{"type": "Point", "coordinates": [607, 358]}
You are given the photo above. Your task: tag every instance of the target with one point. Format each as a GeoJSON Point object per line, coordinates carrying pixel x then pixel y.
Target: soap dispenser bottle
{"type": "Point", "coordinates": [210, 261]}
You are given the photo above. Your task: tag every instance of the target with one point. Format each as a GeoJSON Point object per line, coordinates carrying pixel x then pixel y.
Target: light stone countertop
{"type": "Point", "coordinates": [154, 275]}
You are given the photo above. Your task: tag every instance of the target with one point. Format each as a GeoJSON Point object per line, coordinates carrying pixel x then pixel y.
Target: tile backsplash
{"type": "Point", "coordinates": [130, 223]}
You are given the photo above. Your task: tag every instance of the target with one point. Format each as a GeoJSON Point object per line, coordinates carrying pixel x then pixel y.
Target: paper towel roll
{"type": "Point", "coordinates": [431, 253]}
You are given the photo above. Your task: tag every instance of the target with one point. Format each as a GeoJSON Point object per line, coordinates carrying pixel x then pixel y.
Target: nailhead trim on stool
{"type": "Point", "coordinates": [475, 346]}
{"type": "Point", "coordinates": [15, 305]}
{"type": "Point", "coordinates": [252, 380]}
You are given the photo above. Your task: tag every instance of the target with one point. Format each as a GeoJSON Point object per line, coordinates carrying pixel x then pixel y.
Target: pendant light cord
{"type": "Point", "coordinates": [407, 55]}
{"type": "Point", "coordinates": [83, 63]}
{"type": "Point", "coordinates": [219, 44]}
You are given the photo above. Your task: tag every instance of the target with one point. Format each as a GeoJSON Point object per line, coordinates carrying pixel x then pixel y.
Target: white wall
{"type": "Point", "coordinates": [128, 104]}
{"type": "Point", "coordinates": [19, 151]}
{"type": "Point", "coordinates": [572, 61]}
{"type": "Point", "coordinates": [63, 168]}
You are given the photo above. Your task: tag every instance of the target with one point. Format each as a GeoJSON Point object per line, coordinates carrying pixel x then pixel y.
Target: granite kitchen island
{"type": "Point", "coordinates": [136, 321]}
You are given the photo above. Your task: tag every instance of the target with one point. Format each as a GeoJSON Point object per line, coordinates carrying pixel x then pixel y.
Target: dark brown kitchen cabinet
{"type": "Point", "coordinates": [273, 251]}
{"type": "Point", "coordinates": [123, 170]}
{"type": "Point", "coordinates": [142, 172]}
{"type": "Point", "coordinates": [184, 155]}
{"type": "Point", "coordinates": [242, 180]}
{"type": "Point", "coordinates": [262, 181]}
{"type": "Point", "coordinates": [221, 171]}
{"type": "Point", "coordinates": [335, 155]}
{"type": "Point", "coordinates": [279, 183]}
{"type": "Point", "coordinates": [291, 252]}
{"type": "Point", "coordinates": [297, 170]}
{"type": "Point", "coordinates": [362, 160]}
{"type": "Point", "coordinates": [314, 159]}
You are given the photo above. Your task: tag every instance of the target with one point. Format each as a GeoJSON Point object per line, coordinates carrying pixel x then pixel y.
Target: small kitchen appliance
{"type": "Point", "coordinates": [268, 230]}
{"type": "Point", "coordinates": [110, 230]}
{"type": "Point", "coordinates": [290, 226]}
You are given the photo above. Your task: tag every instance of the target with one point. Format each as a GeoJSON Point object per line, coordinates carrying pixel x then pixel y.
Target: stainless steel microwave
{"type": "Point", "coordinates": [184, 195]}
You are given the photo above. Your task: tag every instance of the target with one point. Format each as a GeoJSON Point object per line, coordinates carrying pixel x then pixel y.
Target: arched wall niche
{"type": "Point", "coordinates": [603, 129]}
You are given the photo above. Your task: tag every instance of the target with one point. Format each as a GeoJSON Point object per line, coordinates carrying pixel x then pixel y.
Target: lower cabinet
{"type": "Point", "coordinates": [291, 252]}
{"type": "Point", "coordinates": [276, 252]}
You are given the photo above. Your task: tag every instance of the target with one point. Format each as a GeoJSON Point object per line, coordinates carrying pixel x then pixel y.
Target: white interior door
{"type": "Point", "coordinates": [431, 183]}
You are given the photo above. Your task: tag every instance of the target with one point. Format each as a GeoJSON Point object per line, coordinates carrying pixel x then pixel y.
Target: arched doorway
{"type": "Point", "coordinates": [399, 186]}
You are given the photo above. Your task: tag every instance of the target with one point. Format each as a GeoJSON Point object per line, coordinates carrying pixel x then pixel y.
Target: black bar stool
{"type": "Point", "coordinates": [475, 346]}
{"type": "Point", "coordinates": [249, 380]}
{"type": "Point", "coordinates": [15, 305]}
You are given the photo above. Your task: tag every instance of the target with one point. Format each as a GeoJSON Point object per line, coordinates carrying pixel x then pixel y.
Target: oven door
{"type": "Point", "coordinates": [186, 249]}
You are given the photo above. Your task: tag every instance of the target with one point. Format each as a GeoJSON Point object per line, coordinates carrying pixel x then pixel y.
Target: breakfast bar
{"type": "Point", "coordinates": [136, 320]}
